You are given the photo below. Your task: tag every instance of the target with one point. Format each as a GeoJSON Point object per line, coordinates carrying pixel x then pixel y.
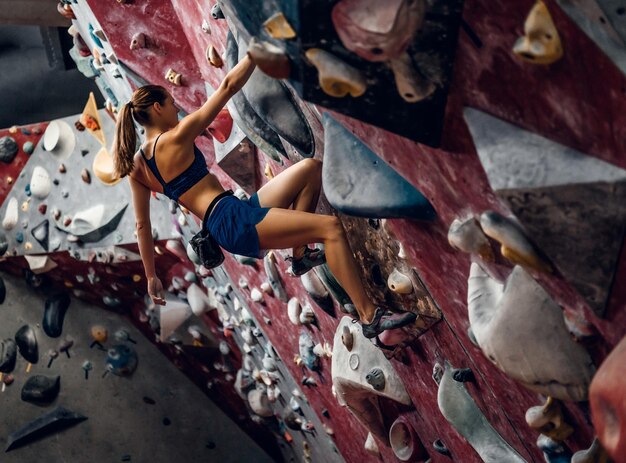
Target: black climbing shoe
{"type": "Point", "coordinates": [311, 258]}
{"type": "Point", "coordinates": [386, 320]}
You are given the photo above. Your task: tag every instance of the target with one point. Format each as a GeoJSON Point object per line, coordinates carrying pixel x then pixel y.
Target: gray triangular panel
{"type": "Point", "coordinates": [581, 229]}
{"type": "Point", "coordinates": [515, 158]}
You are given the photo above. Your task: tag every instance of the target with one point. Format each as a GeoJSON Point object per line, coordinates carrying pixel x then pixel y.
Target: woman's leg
{"type": "Point", "coordinates": [298, 186]}
{"type": "Point", "coordinates": [283, 228]}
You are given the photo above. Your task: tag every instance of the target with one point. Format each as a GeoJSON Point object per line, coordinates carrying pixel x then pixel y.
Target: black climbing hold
{"type": "Point", "coordinates": [441, 448]}
{"type": "Point", "coordinates": [3, 291]}
{"type": "Point", "coordinates": [40, 233]}
{"type": "Point", "coordinates": [377, 276]}
{"type": "Point", "coordinates": [167, 421]}
{"type": "Point", "coordinates": [4, 244]}
{"type": "Point", "coordinates": [54, 313]}
{"type": "Point", "coordinates": [8, 355]}
{"type": "Point", "coordinates": [41, 389]}
{"type": "Point", "coordinates": [54, 421]}
{"type": "Point", "coordinates": [464, 375]}
{"type": "Point", "coordinates": [216, 12]}
{"type": "Point", "coordinates": [8, 149]}
{"type": "Point", "coordinates": [210, 445]}
{"type": "Point", "coordinates": [148, 400]}
{"type": "Point", "coordinates": [27, 343]}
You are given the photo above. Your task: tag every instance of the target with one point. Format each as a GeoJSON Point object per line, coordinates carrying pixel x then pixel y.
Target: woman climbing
{"type": "Point", "coordinates": [245, 228]}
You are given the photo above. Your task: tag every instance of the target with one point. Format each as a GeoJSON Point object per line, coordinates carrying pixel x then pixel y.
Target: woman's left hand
{"type": "Point", "coordinates": [155, 291]}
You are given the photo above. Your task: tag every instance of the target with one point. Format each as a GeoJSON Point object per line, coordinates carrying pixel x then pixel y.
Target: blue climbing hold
{"type": "Point", "coordinates": [27, 189]}
{"type": "Point", "coordinates": [357, 182]}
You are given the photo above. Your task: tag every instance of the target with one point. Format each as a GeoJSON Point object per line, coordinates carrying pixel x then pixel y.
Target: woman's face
{"type": "Point", "coordinates": [169, 112]}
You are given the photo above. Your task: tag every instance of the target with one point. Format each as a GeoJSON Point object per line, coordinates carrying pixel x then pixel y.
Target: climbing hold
{"type": "Point", "coordinates": [399, 283]}
{"type": "Point", "coordinates": [541, 43]}
{"type": "Point", "coordinates": [607, 398]}
{"type": "Point", "coordinates": [256, 295]}
{"type": "Point", "coordinates": [594, 454]}
{"type": "Point", "coordinates": [54, 314]}
{"type": "Point", "coordinates": [346, 338]}
{"type": "Point", "coordinates": [28, 147]}
{"type": "Point", "coordinates": [515, 246]}
{"type": "Point", "coordinates": [307, 315]}
{"type": "Point", "coordinates": [318, 292]}
{"type": "Point", "coordinates": [10, 215]}
{"type": "Point", "coordinates": [138, 41]}
{"type": "Point", "coordinates": [458, 407]}
{"type": "Point", "coordinates": [40, 233]}
{"type": "Point", "coordinates": [467, 236]}
{"type": "Point", "coordinates": [351, 386]}
{"type": "Point", "coordinates": [273, 277]}
{"type": "Point", "coordinates": [93, 224]}
{"type": "Point", "coordinates": [8, 149]}
{"type": "Point", "coordinates": [216, 12]}
{"type": "Point", "coordinates": [8, 355]}
{"type": "Point", "coordinates": [357, 182]}
{"type": "Point", "coordinates": [173, 77]}
{"type": "Point", "coordinates": [221, 126]}
{"type": "Point", "coordinates": [548, 419]}
{"type": "Point", "coordinates": [85, 176]}
{"type": "Point", "coordinates": [278, 27]}
{"type": "Point", "coordinates": [553, 451]}
{"type": "Point", "coordinates": [59, 140]}
{"type": "Point", "coordinates": [198, 301]}
{"type": "Point", "coordinates": [41, 390]}
{"type": "Point", "coordinates": [376, 378]}
{"type": "Point", "coordinates": [213, 57]}
{"type": "Point", "coordinates": [375, 30]}
{"type": "Point", "coordinates": [99, 333]}
{"type": "Point", "coordinates": [411, 84]}
{"type": "Point", "coordinates": [293, 310]}
{"type": "Point", "coordinates": [206, 27]}
{"type": "Point", "coordinates": [270, 59]}
{"type": "Point", "coordinates": [27, 343]}
{"type": "Point", "coordinates": [405, 443]}
{"type": "Point", "coordinates": [259, 403]}
{"type": "Point", "coordinates": [520, 312]}
{"type": "Point", "coordinates": [54, 421]}
{"type": "Point", "coordinates": [305, 347]}
{"type": "Point", "coordinates": [371, 446]}
{"type": "Point", "coordinates": [121, 360]}
{"type": "Point", "coordinates": [336, 77]}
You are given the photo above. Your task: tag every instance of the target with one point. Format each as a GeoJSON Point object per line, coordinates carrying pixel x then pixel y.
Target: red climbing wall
{"type": "Point", "coordinates": [577, 101]}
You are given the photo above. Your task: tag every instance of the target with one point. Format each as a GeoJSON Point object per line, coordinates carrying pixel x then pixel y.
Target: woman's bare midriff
{"type": "Point", "coordinates": [198, 198]}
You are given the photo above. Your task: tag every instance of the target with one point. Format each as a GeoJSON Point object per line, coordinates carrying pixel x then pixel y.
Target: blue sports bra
{"type": "Point", "coordinates": [183, 182]}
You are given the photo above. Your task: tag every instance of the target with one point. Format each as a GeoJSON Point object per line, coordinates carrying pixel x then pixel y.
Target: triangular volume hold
{"type": "Point", "coordinates": [91, 119]}
{"type": "Point", "coordinates": [580, 228]}
{"type": "Point", "coordinates": [515, 158]}
{"type": "Point", "coordinates": [357, 182]}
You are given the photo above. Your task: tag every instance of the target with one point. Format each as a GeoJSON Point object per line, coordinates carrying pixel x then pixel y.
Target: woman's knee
{"type": "Point", "coordinates": [313, 167]}
{"type": "Point", "coordinates": [333, 229]}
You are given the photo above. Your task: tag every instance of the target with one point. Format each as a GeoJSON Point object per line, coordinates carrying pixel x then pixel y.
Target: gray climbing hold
{"type": "Point", "coordinates": [306, 345]}
{"type": "Point", "coordinates": [357, 182]}
{"type": "Point", "coordinates": [255, 128]}
{"type": "Point", "coordinates": [275, 104]}
{"type": "Point", "coordinates": [458, 407]}
{"type": "Point", "coordinates": [572, 204]}
{"type": "Point", "coordinates": [8, 149]}
{"type": "Point", "coordinates": [376, 378]}
{"type": "Point", "coordinates": [4, 244]}
{"type": "Point", "coordinates": [273, 277]}
{"type": "Point", "coordinates": [28, 147]}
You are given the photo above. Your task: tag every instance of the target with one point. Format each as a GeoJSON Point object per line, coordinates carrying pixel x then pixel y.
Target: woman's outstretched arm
{"type": "Point", "coordinates": [141, 203]}
{"type": "Point", "coordinates": [195, 123]}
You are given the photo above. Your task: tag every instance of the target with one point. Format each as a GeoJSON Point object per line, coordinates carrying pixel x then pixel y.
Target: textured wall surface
{"type": "Point", "coordinates": [577, 101]}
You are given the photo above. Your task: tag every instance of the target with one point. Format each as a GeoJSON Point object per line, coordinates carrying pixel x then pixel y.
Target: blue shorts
{"type": "Point", "coordinates": [233, 225]}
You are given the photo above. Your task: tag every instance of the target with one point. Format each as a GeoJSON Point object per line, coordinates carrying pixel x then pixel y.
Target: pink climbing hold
{"type": "Point", "coordinates": [221, 126]}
